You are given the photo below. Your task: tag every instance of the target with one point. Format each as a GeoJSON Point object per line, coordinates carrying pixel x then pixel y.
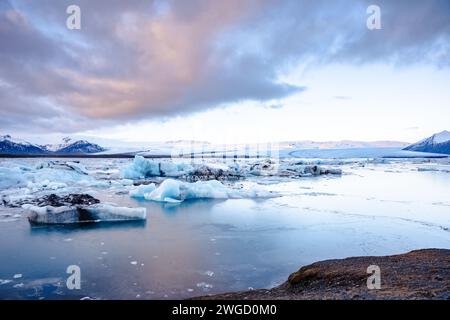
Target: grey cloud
{"type": "Point", "coordinates": [136, 59]}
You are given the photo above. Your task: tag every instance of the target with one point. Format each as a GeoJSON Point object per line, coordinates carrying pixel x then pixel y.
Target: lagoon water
{"type": "Point", "coordinates": [201, 247]}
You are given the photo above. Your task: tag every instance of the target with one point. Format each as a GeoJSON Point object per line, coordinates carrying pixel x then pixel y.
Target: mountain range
{"type": "Point", "coordinates": [10, 145]}
{"type": "Point", "coordinates": [437, 143]}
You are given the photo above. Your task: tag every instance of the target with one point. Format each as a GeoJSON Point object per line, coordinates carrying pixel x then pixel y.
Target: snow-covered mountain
{"type": "Point", "coordinates": [437, 143]}
{"type": "Point", "coordinates": [69, 146]}
{"type": "Point", "coordinates": [9, 145]}
{"type": "Point", "coordinates": [57, 146]}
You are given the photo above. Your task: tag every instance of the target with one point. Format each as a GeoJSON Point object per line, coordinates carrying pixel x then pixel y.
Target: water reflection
{"type": "Point", "coordinates": [86, 226]}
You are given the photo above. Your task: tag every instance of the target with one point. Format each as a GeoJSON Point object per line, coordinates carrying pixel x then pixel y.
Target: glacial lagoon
{"type": "Point", "coordinates": [204, 246]}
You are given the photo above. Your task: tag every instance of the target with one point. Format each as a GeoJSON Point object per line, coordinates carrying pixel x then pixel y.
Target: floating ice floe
{"type": "Point", "coordinates": [6, 281]}
{"type": "Point", "coordinates": [142, 168]}
{"type": "Point", "coordinates": [80, 214]}
{"type": "Point", "coordinates": [65, 165]}
{"type": "Point", "coordinates": [77, 208]}
{"type": "Point", "coordinates": [139, 192]}
{"type": "Point", "coordinates": [172, 190]}
{"type": "Point", "coordinates": [210, 172]}
{"type": "Point", "coordinates": [445, 169]}
{"type": "Point", "coordinates": [302, 170]}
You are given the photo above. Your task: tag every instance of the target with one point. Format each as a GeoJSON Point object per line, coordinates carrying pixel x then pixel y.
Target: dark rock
{"type": "Point", "coordinates": [68, 200]}
{"type": "Point", "coordinates": [53, 200]}
{"type": "Point", "coordinates": [205, 173]}
{"type": "Point", "coordinates": [420, 274]}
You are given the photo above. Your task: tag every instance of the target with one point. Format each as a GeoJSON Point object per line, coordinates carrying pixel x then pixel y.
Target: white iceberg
{"type": "Point", "coordinates": [140, 191]}
{"type": "Point", "coordinates": [302, 170]}
{"type": "Point", "coordinates": [177, 191]}
{"type": "Point", "coordinates": [80, 214]}
{"type": "Point", "coordinates": [142, 168]}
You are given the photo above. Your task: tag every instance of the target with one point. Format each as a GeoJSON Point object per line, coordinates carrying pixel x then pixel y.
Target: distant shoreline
{"type": "Point", "coordinates": [100, 156]}
{"type": "Point", "coordinates": [118, 156]}
{"type": "Point", "coordinates": [131, 156]}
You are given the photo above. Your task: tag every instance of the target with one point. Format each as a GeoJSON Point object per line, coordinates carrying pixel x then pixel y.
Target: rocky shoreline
{"type": "Point", "coordinates": [419, 274]}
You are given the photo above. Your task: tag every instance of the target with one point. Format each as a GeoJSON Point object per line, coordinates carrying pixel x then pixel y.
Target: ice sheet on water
{"type": "Point", "coordinates": [11, 177]}
{"type": "Point", "coordinates": [232, 170]}
{"type": "Point", "coordinates": [43, 177]}
{"type": "Point", "coordinates": [53, 175]}
{"type": "Point", "coordinates": [142, 168]}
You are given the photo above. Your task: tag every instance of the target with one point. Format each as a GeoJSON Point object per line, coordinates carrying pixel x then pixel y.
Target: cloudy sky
{"type": "Point", "coordinates": [225, 71]}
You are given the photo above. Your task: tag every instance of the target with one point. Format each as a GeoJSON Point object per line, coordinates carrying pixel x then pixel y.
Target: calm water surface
{"type": "Point", "coordinates": [209, 246]}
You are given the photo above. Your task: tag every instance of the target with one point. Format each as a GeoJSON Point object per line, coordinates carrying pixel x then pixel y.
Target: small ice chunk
{"type": "Point", "coordinates": [79, 168]}
{"type": "Point", "coordinates": [140, 191]}
{"type": "Point", "coordinates": [133, 262]}
{"type": "Point", "coordinates": [17, 276]}
{"type": "Point", "coordinates": [205, 286]}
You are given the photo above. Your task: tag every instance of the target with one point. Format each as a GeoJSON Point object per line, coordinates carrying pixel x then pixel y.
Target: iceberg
{"type": "Point", "coordinates": [172, 190]}
{"type": "Point", "coordinates": [142, 168]}
{"type": "Point", "coordinates": [82, 214]}
{"type": "Point", "coordinates": [77, 208]}
{"type": "Point", "coordinates": [140, 191]}
{"type": "Point", "coordinates": [302, 170]}
{"type": "Point", "coordinates": [214, 172]}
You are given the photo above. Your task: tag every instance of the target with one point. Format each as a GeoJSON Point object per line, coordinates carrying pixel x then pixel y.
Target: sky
{"type": "Point", "coordinates": [230, 71]}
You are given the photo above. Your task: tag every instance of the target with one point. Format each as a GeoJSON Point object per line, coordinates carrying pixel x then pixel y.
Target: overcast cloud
{"type": "Point", "coordinates": [143, 59]}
